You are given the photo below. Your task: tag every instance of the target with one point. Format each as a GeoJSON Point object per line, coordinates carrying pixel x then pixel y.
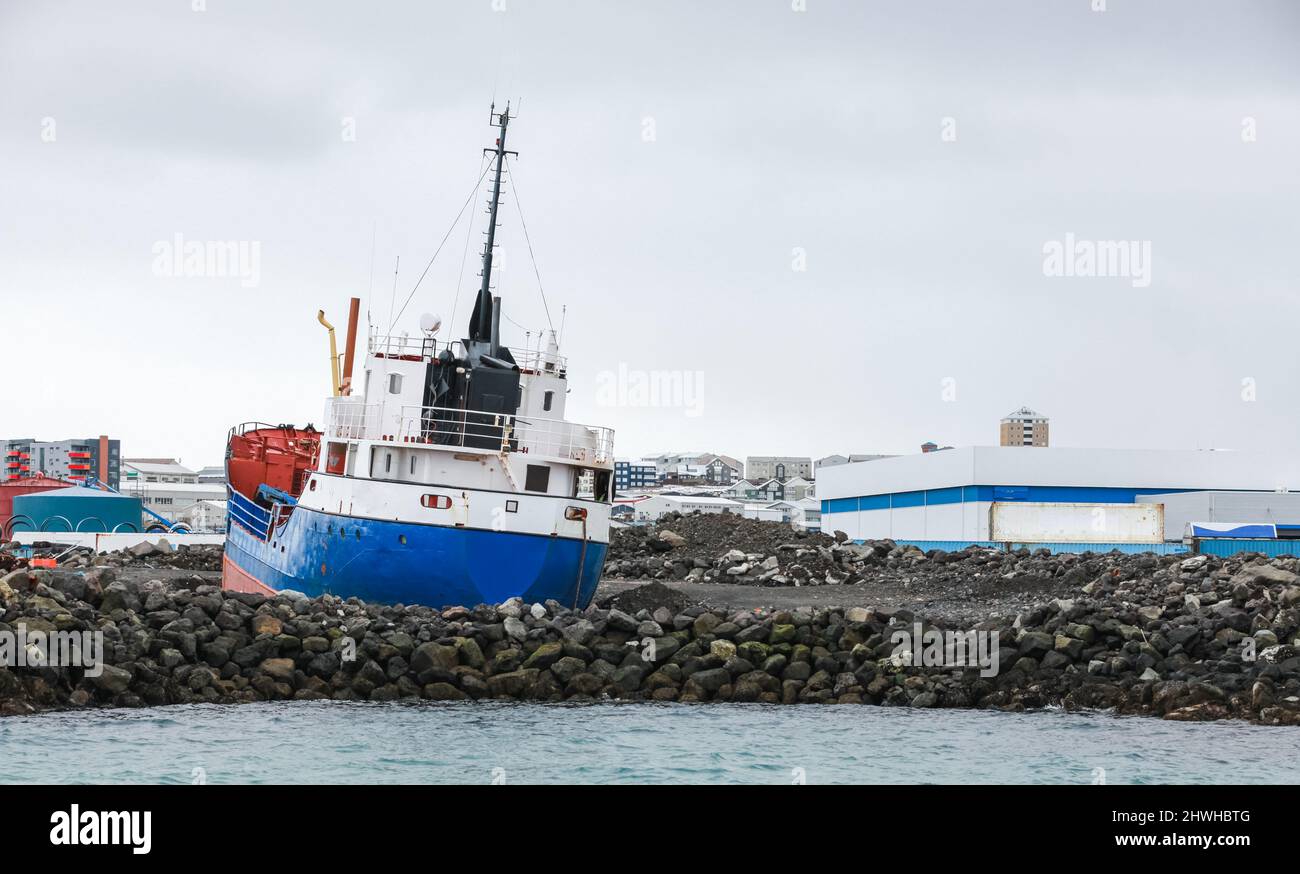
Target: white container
{"type": "Point", "coordinates": [1027, 522]}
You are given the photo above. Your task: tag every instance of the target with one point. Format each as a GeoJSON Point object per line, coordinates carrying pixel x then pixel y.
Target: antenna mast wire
{"type": "Point", "coordinates": [538, 273]}
{"type": "Point", "coordinates": [455, 222]}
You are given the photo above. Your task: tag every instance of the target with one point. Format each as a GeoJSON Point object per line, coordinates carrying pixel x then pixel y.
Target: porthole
{"type": "Point", "coordinates": [401, 538]}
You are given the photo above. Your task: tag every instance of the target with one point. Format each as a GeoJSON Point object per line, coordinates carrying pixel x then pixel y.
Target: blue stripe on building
{"type": "Point", "coordinates": [964, 494]}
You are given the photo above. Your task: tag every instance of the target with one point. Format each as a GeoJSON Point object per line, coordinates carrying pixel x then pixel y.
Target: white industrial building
{"type": "Point", "coordinates": [949, 496]}
{"type": "Point", "coordinates": [205, 516]}
{"type": "Point", "coordinates": [1234, 508]}
{"type": "Point", "coordinates": [173, 501]}
{"type": "Point", "coordinates": [803, 514]}
{"type": "Point", "coordinates": [657, 505]}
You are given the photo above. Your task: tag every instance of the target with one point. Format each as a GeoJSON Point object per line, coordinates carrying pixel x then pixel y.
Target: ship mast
{"type": "Point", "coordinates": [483, 317]}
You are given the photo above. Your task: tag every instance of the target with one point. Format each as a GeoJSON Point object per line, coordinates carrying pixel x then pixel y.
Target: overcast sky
{"type": "Point", "coordinates": [829, 225]}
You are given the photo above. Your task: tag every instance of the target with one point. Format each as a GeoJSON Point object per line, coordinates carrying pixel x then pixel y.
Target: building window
{"type": "Point", "coordinates": [546, 400]}
{"type": "Point", "coordinates": [394, 383]}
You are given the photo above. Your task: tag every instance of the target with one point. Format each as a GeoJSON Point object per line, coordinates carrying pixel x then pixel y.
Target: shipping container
{"type": "Point", "coordinates": [1028, 522]}
{"type": "Point", "coordinates": [23, 486]}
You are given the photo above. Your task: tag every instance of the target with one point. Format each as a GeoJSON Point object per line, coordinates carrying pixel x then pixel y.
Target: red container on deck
{"type": "Point", "coordinates": [10, 489]}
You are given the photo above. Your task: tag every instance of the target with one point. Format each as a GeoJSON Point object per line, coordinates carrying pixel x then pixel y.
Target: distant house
{"type": "Point", "coordinates": [739, 490]}
{"type": "Point", "coordinates": [714, 468]}
{"type": "Point", "coordinates": [796, 488]}
{"type": "Point", "coordinates": [721, 469]}
{"type": "Point", "coordinates": [769, 490]}
{"type": "Point", "coordinates": [686, 473]}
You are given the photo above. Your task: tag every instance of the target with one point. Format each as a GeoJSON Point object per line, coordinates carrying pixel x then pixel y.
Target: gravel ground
{"type": "Point", "coordinates": [965, 608]}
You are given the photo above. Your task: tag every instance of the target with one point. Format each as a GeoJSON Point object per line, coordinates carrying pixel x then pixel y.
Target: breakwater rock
{"type": "Point", "coordinates": [158, 553]}
{"type": "Point", "coordinates": [1195, 639]}
{"type": "Point", "coordinates": [149, 554]}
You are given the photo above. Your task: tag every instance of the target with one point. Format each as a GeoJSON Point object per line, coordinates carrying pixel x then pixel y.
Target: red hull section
{"type": "Point", "coordinates": [236, 579]}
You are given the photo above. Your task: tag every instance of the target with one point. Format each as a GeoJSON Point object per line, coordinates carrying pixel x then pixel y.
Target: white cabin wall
{"type": "Point", "coordinates": [379, 385]}
{"type": "Point", "coordinates": [532, 402]}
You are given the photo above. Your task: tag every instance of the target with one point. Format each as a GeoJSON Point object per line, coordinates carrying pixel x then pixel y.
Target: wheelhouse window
{"type": "Point", "coordinates": [537, 478]}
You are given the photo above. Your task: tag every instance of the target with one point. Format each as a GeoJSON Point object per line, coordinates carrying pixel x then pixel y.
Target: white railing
{"type": "Point", "coordinates": [402, 345]}
{"type": "Point", "coordinates": [538, 361]}
{"type": "Point", "coordinates": [350, 420]}
{"type": "Point", "coordinates": [444, 426]}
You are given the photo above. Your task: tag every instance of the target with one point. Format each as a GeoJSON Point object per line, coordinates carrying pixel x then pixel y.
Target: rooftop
{"type": "Point", "coordinates": [1150, 470]}
{"type": "Point", "coordinates": [214, 489]}
{"type": "Point", "coordinates": [158, 466]}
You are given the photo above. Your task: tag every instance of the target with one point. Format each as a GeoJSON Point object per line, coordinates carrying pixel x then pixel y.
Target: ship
{"type": "Point", "coordinates": [450, 478]}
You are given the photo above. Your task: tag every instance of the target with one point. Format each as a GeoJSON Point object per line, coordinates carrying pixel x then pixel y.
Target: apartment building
{"type": "Point", "coordinates": [1024, 427]}
{"type": "Point", "coordinates": [75, 461]}
{"type": "Point", "coordinates": [759, 468]}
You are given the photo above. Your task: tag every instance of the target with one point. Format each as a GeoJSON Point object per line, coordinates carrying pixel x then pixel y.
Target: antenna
{"type": "Point", "coordinates": [482, 318]}
{"type": "Point", "coordinates": [370, 286]}
{"type": "Point", "coordinates": [393, 300]}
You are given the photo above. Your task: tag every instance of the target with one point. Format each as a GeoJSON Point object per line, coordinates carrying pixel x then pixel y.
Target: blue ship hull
{"type": "Point", "coordinates": [400, 562]}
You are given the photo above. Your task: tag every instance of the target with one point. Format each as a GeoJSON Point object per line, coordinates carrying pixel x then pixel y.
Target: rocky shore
{"type": "Point", "coordinates": [1183, 638]}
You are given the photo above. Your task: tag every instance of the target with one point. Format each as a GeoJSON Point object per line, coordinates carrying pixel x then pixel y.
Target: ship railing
{"type": "Point", "coordinates": [348, 419]}
{"type": "Point", "coordinates": [476, 429]}
{"type": "Point", "coordinates": [255, 519]}
{"type": "Point", "coordinates": [403, 345]}
{"type": "Point", "coordinates": [539, 361]}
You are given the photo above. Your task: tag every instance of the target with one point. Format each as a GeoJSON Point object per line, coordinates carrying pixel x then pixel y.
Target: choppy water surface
{"type": "Point", "coordinates": [344, 742]}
